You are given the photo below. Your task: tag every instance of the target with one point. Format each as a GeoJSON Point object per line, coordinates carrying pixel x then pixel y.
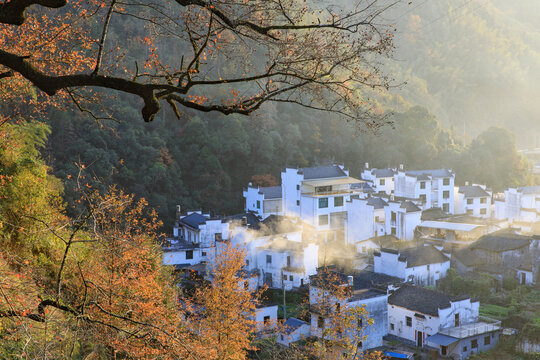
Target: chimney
{"type": "Point", "coordinates": [401, 167]}
{"type": "Point", "coordinates": [250, 183]}
{"type": "Point", "coordinates": [350, 280]}
{"type": "Point", "coordinates": [367, 165]}
{"type": "Point", "coordinates": [178, 212]}
{"type": "Point", "coordinates": [466, 183]}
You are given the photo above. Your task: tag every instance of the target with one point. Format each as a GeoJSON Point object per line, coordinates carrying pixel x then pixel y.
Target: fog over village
{"type": "Point", "coordinates": [269, 179]}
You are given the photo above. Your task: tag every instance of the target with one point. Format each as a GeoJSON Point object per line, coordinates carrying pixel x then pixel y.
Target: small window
{"type": "Point", "coordinates": [189, 254]}
{"type": "Point", "coordinates": [297, 187]}
{"type": "Point", "coordinates": [268, 259]}
{"type": "Point", "coordinates": [359, 344]}
{"type": "Point", "coordinates": [281, 337]}
{"type": "Point", "coordinates": [320, 322]}
{"type": "Point", "coordinates": [474, 344]}
{"type": "Point", "coordinates": [427, 267]}
{"type": "Point", "coordinates": [338, 307]}
{"type": "Point", "coordinates": [469, 211]}
{"type": "Point", "coordinates": [297, 202]}
{"type": "Point", "coordinates": [393, 216]}
{"type": "Point", "coordinates": [323, 219]}
{"type": "Point", "coordinates": [217, 236]}
{"type": "Point", "coordinates": [323, 203]}
{"type": "Point", "coordinates": [246, 285]}
{"type": "Point", "coordinates": [392, 327]}
{"type": "Point", "coordinates": [258, 204]}
{"type": "Point", "coordinates": [423, 197]}
{"type": "Point", "coordinates": [446, 207]}
{"type": "Point", "coordinates": [444, 349]}
{"type": "Point", "coordinates": [266, 320]}
{"type": "Point", "coordinates": [290, 278]}
{"type": "Point", "coordinates": [483, 211]}
{"type": "Point", "coordinates": [284, 277]}
{"type": "Point", "coordinates": [382, 182]}
{"type": "Point", "coordinates": [422, 184]}
{"type": "Point", "coordinates": [483, 200]}
{"type": "Point", "coordinates": [469, 201]}
{"type": "Point", "coordinates": [456, 320]}
{"type": "Point", "coordinates": [446, 181]}
{"type": "Point", "coordinates": [338, 201]}
{"type": "Point", "coordinates": [360, 323]}
{"type": "Point", "coordinates": [464, 349]}
{"type": "Point", "coordinates": [408, 320]}
{"type": "Point", "coordinates": [204, 253]}
{"type": "Point", "coordinates": [487, 340]}
{"type": "Point", "coordinates": [376, 219]}
{"type": "Point", "coordinates": [393, 232]}
{"type": "Point", "coordinates": [446, 194]}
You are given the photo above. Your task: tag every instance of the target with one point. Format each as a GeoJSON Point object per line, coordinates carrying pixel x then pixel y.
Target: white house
{"type": "Point", "coordinates": [415, 313]}
{"type": "Point", "coordinates": [423, 265]}
{"type": "Point", "coordinates": [293, 330]}
{"type": "Point", "coordinates": [375, 301]}
{"type": "Point", "coordinates": [434, 187]}
{"type": "Point", "coordinates": [266, 317]}
{"type": "Point", "coordinates": [520, 204]}
{"type": "Point", "coordinates": [366, 220]}
{"type": "Point", "coordinates": [402, 218]}
{"type": "Point", "coordinates": [381, 180]}
{"type": "Point", "coordinates": [474, 200]}
{"type": "Point", "coordinates": [263, 201]}
{"type": "Point", "coordinates": [282, 262]}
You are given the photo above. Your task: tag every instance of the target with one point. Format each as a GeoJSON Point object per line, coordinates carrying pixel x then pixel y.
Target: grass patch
{"type": "Point", "coordinates": [494, 311]}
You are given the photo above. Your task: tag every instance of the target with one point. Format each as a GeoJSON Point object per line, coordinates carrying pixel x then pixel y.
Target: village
{"type": "Point", "coordinates": [391, 238]}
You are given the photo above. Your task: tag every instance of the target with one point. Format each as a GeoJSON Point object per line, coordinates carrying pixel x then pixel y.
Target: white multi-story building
{"type": "Point", "coordinates": [474, 200]}
{"type": "Point", "coordinates": [263, 201]}
{"type": "Point", "coordinates": [520, 204]}
{"type": "Point", "coordinates": [366, 219]}
{"type": "Point", "coordinates": [381, 180]}
{"type": "Point", "coordinates": [423, 265]}
{"type": "Point", "coordinates": [434, 187]}
{"type": "Point", "coordinates": [285, 263]}
{"type": "Point", "coordinates": [402, 218]}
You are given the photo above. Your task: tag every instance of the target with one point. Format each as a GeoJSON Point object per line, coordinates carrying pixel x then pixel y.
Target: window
{"type": "Point", "coordinates": [487, 340]}
{"type": "Point", "coordinates": [393, 232]}
{"type": "Point", "coordinates": [392, 327]}
{"type": "Point", "coordinates": [290, 278]}
{"type": "Point", "coordinates": [246, 285]}
{"type": "Point", "coordinates": [338, 307]}
{"type": "Point", "coordinates": [338, 201]}
{"type": "Point", "coordinates": [483, 200]}
{"type": "Point", "coordinates": [474, 344]}
{"type": "Point", "coordinates": [258, 204]}
{"type": "Point", "coordinates": [423, 197]}
{"type": "Point", "coordinates": [408, 320]}
{"type": "Point", "coordinates": [446, 207]}
{"type": "Point", "coordinates": [320, 322]}
{"type": "Point", "coordinates": [469, 211]}
{"type": "Point", "coordinates": [360, 323]}
{"type": "Point", "coordinates": [483, 211]}
{"type": "Point", "coordinates": [382, 182]}
{"type": "Point", "coordinates": [323, 203]}
{"type": "Point", "coordinates": [217, 236]}
{"type": "Point", "coordinates": [394, 216]}
{"type": "Point", "coordinates": [297, 187]}
{"type": "Point", "coordinates": [456, 320]}
{"type": "Point", "coordinates": [297, 202]}
{"type": "Point", "coordinates": [284, 277]}
{"type": "Point", "coordinates": [288, 260]}
{"type": "Point", "coordinates": [464, 349]}
{"type": "Point", "coordinates": [359, 344]}
{"type": "Point", "coordinates": [444, 349]}
{"type": "Point", "coordinates": [266, 320]}
{"type": "Point", "coordinates": [446, 194]}
{"type": "Point", "coordinates": [189, 254]}
{"type": "Point", "coordinates": [321, 189]}
{"type": "Point", "coordinates": [204, 253]}
{"type": "Point", "coordinates": [422, 184]}
{"type": "Point", "coordinates": [281, 337]}
{"type": "Point", "coordinates": [323, 219]}
{"type": "Point", "coordinates": [268, 259]}
{"type": "Point", "coordinates": [376, 219]}
{"type": "Point", "coordinates": [469, 201]}
{"type": "Point", "coordinates": [427, 267]}
{"type": "Point", "coordinates": [446, 181]}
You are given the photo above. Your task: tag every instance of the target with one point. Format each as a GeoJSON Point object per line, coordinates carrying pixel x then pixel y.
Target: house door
{"type": "Point", "coordinates": [523, 278]}
{"type": "Point", "coordinates": [302, 282]}
{"type": "Point", "coordinates": [419, 339]}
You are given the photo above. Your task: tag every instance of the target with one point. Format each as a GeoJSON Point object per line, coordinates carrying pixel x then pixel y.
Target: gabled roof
{"type": "Point", "coordinates": [529, 189]}
{"type": "Point", "coordinates": [467, 258]}
{"type": "Point", "coordinates": [418, 256]}
{"type": "Point", "coordinates": [320, 172]}
{"type": "Point", "coordinates": [251, 218]}
{"type": "Point", "coordinates": [473, 191]}
{"type": "Point", "coordinates": [433, 214]}
{"type": "Point", "coordinates": [377, 202]}
{"type": "Point", "coordinates": [501, 241]}
{"type": "Point", "coordinates": [382, 173]}
{"type": "Point", "coordinates": [291, 325]}
{"type": "Point", "coordinates": [435, 173]}
{"type": "Point", "coordinates": [276, 224]}
{"type": "Point", "coordinates": [421, 299]}
{"type": "Point", "coordinates": [194, 220]}
{"type": "Point", "coordinates": [409, 206]}
{"type": "Point", "coordinates": [364, 186]}
{"type": "Point", "coordinates": [271, 192]}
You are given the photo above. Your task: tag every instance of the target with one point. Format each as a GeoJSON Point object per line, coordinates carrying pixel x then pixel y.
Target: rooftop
{"type": "Point", "coordinates": [193, 220]}
{"type": "Point", "coordinates": [529, 189]}
{"type": "Point", "coordinates": [377, 202]}
{"type": "Point", "coordinates": [448, 225]}
{"type": "Point", "coordinates": [421, 299]}
{"type": "Point", "coordinates": [473, 191]}
{"type": "Point", "coordinates": [276, 224]}
{"type": "Point", "coordinates": [320, 172]}
{"type": "Point", "coordinates": [329, 182]}
{"type": "Point", "coordinates": [292, 324]}
{"type": "Point", "coordinates": [271, 192]}
{"type": "Point", "coordinates": [409, 206]}
{"type": "Point", "coordinates": [500, 241]}
{"type": "Point", "coordinates": [383, 173]}
{"type": "Point", "coordinates": [418, 256]}
{"type": "Point", "coordinates": [435, 173]}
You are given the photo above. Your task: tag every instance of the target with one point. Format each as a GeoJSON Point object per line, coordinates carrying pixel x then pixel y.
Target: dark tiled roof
{"type": "Point", "coordinates": [409, 206]}
{"type": "Point", "coordinates": [291, 325]}
{"type": "Point", "coordinates": [251, 218]}
{"type": "Point", "coordinates": [433, 214]}
{"type": "Point", "coordinates": [275, 224]}
{"type": "Point", "coordinates": [421, 255]}
{"type": "Point", "coordinates": [529, 189]}
{"type": "Point", "coordinates": [380, 173]}
{"type": "Point", "coordinates": [194, 220]}
{"type": "Point", "coordinates": [501, 241]}
{"type": "Point", "coordinates": [473, 191]}
{"type": "Point", "coordinates": [271, 192]}
{"type": "Point", "coordinates": [320, 172]}
{"type": "Point", "coordinates": [365, 187]}
{"type": "Point", "coordinates": [436, 173]}
{"type": "Point", "coordinates": [467, 258]}
{"type": "Point", "coordinates": [370, 279]}
{"type": "Point", "coordinates": [377, 202]}
{"type": "Point", "coordinates": [421, 299]}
